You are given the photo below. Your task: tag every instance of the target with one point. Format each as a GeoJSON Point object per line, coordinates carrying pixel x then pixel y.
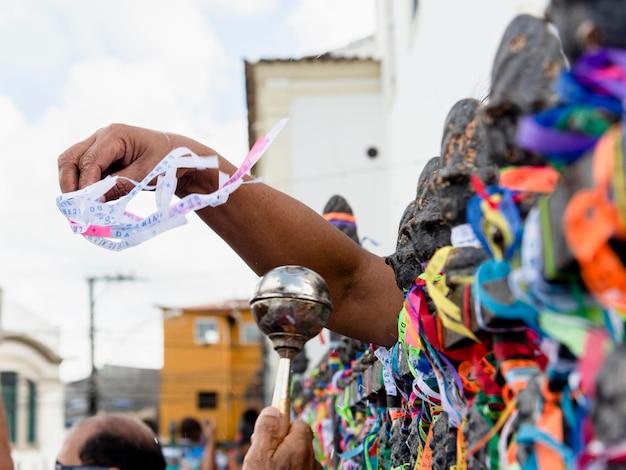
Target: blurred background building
{"type": "Point", "coordinates": [31, 387]}
{"type": "Point", "coordinates": [129, 390]}
{"type": "Point", "coordinates": [212, 366]}
{"type": "Point", "coordinates": [335, 136]}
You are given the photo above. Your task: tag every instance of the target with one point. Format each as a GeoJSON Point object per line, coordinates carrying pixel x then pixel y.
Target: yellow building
{"type": "Point", "coordinates": [212, 366]}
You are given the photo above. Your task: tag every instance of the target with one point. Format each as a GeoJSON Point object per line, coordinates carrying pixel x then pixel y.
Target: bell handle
{"type": "Point", "coordinates": [282, 388]}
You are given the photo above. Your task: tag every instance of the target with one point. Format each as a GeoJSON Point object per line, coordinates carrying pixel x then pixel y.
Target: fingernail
{"type": "Point", "coordinates": [271, 411]}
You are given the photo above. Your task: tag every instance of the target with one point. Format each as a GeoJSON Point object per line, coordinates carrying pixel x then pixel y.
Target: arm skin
{"type": "Point", "coordinates": [208, 459]}
{"type": "Point", "coordinates": [265, 227]}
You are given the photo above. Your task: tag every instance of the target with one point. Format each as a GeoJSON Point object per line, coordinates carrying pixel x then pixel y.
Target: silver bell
{"type": "Point", "coordinates": [291, 305]}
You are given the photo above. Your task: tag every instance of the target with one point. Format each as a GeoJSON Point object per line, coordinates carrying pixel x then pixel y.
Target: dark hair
{"type": "Point", "coordinates": [113, 450]}
{"type": "Point", "coordinates": [246, 425]}
{"type": "Point", "coordinates": [152, 424]}
{"type": "Point", "coordinates": [190, 428]}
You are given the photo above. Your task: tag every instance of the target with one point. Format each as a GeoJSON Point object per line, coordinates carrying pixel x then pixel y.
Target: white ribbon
{"type": "Point", "coordinates": [463, 236]}
{"type": "Point", "coordinates": [385, 360]}
{"type": "Point", "coordinates": [111, 226]}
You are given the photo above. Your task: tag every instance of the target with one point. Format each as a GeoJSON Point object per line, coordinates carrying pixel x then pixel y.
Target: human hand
{"type": "Point", "coordinates": [278, 446]}
{"type": "Point", "coordinates": [208, 429]}
{"type": "Point", "coordinates": [131, 152]}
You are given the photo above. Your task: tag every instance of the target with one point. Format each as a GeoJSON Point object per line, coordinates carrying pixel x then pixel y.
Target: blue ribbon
{"type": "Point", "coordinates": [529, 434]}
{"type": "Point", "coordinates": [509, 210]}
{"type": "Point", "coordinates": [350, 454]}
{"type": "Point", "coordinates": [491, 271]}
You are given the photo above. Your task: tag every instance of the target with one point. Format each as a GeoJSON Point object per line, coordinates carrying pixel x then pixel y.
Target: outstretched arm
{"type": "Point", "coordinates": [265, 227]}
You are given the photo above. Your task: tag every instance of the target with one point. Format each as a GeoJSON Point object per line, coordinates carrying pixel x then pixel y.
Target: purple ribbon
{"type": "Point", "coordinates": [535, 137]}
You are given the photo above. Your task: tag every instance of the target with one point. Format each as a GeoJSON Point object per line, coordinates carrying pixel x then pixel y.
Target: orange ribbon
{"type": "Point", "coordinates": [533, 179]}
{"type": "Point", "coordinates": [591, 220]}
{"type": "Point", "coordinates": [339, 216]}
{"type": "Point", "coordinates": [551, 423]}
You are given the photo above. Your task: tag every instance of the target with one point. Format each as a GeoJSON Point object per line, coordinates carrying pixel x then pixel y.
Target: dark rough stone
{"type": "Point", "coordinates": [527, 402]}
{"type": "Point", "coordinates": [463, 262]}
{"type": "Point", "coordinates": [404, 261]}
{"type": "Point", "coordinates": [609, 411]}
{"type": "Point", "coordinates": [475, 429]}
{"type": "Point", "coordinates": [463, 153]}
{"type": "Point", "coordinates": [422, 229]}
{"type": "Point", "coordinates": [348, 348]}
{"type": "Point", "coordinates": [443, 443]}
{"type": "Point", "coordinates": [400, 431]}
{"type": "Point", "coordinates": [413, 440]}
{"type": "Point", "coordinates": [604, 19]}
{"type": "Point", "coordinates": [527, 63]}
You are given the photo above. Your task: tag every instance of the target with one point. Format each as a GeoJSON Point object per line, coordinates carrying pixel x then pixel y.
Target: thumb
{"type": "Point", "coordinates": [269, 431]}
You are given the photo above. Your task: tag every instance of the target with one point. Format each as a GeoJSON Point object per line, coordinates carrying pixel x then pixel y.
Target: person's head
{"type": "Point", "coordinates": [191, 429]}
{"type": "Point", "coordinates": [585, 24]}
{"type": "Point", "coordinates": [111, 442]}
{"type": "Point", "coordinates": [246, 425]}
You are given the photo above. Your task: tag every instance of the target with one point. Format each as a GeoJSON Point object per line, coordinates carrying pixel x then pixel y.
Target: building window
{"type": "Point", "coordinates": [414, 5]}
{"type": "Point", "coordinates": [207, 400]}
{"type": "Point", "coordinates": [8, 385]}
{"type": "Point", "coordinates": [31, 434]}
{"type": "Point", "coordinates": [207, 331]}
{"type": "Point", "coordinates": [249, 333]}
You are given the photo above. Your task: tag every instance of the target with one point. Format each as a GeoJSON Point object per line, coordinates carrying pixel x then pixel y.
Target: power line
{"type": "Point", "coordinates": [92, 394]}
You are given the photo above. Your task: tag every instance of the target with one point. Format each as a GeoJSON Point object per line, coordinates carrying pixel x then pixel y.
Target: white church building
{"type": "Point", "coordinates": [31, 388]}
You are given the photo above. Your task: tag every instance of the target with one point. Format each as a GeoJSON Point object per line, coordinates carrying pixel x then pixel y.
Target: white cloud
{"type": "Point", "coordinates": [10, 118]}
{"type": "Point", "coordinates": [321, 25]}
{"type": "Point", "coordinates": [142, 62]}
{"type": "Point", "coordinates": [247, 7]}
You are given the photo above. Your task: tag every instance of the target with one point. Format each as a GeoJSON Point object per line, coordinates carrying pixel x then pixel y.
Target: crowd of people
{"type": "Point", "coordinates": [119, 442]}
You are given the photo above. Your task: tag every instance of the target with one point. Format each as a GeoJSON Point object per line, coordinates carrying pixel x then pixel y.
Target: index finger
{"type": "Point", "coordinates": [68, 164]}
{"type": "Point", "coordinates": [269, 431]}
{"type": "Point", "coordinates": [105, 150]}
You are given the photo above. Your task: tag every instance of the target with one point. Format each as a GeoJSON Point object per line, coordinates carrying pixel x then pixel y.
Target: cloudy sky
{"type": "Point", "coordinates": [69, 67]}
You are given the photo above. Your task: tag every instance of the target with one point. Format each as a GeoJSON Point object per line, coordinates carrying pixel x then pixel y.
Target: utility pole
{"type": "Point", "coordinates": [92, 390]}
{"type": "Point", "coordinates": [93, 397]}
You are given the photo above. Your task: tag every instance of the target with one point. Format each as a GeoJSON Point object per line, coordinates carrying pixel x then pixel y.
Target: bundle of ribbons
{"type": "Point", "coordinates": [535, 321]}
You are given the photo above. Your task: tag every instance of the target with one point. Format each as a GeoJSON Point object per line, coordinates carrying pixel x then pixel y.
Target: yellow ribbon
{"type": "Point", "coordinates": [461, 451]}
{"type": "Point", "coordinates": [448, 311]}
{"type": "Point", "coordinates": [407, 332]}
{"type": "Point", "coordinates": [493, 218]}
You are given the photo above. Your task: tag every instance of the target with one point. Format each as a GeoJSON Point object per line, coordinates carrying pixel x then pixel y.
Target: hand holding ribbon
{"type": "Point", "coordinates": [110, 226]}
